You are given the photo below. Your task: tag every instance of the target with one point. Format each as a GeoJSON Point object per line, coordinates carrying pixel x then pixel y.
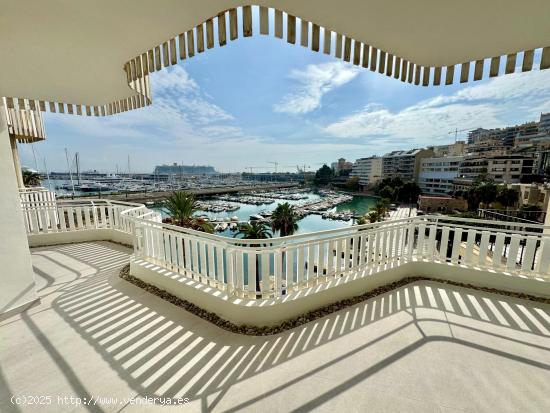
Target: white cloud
{"type": "Point", "coordinates": [313, 83]}
{"type": "Point", "coordinates": [180, 109]}
{"type": "Point", "coordinates": [492, 104]}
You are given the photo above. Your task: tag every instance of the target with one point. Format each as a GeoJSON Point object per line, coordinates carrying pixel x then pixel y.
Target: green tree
{"type": "Point", "coordinates": [409, 192]}
{"type": "Point", "coordinates": [31, 178]}
{"type": "Point", "coordinates": [324, 175]}
{"type": "Point", "coordinates": [483, 191]}
{"type": "Point", "coordinates": [361, 220]}
{"type": "Point", "coordinates": [182, 206]}
{"type": "Point", "coordinates": [373, 216]}
{"type": "Point", "coordinates": [378, 210]}
{"type": "Point", "coordinates": [254, 230]}
{"type": "Point", "coordinates": [507, 197]}
{"type": "Point", "coordinates": [387, 192]}
{"type": "Point", "coordinates": [352, 183]}
{"type": "Point", "coordinates": [284, 219]}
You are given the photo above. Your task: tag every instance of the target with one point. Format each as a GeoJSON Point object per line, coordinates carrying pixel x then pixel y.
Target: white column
{"type": "Point", "coordinates": [17, 287]}
{"type": "Point", "coordinates": [16, 162]}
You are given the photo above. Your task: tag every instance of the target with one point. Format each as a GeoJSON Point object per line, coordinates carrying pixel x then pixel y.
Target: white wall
{"type": "Point", "coordinates": [85, 235]}
{"type": "Point", "coordinates": [273, 311]}
{"type": "Point", "coordinates": [16, 273]}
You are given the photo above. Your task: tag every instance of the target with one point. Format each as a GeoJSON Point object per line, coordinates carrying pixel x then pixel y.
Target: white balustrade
{"type": "Point", "coordinates": [274, 267]}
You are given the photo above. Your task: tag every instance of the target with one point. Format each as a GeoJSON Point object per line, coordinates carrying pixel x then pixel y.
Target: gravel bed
{"type": "Point", "coordinates": [309, 316]}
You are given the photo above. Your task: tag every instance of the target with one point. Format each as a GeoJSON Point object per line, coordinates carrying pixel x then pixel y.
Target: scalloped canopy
{"type": "Point", "coordinates": [77, 52]}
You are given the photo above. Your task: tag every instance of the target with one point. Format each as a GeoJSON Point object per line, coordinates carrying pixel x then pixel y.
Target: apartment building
{"type": "Point", "coordinates": [457, 148]}
{"type": "Point", "coordinates": [506, 136]}
{"type": "Point", "coordinates": [368, 170]}
{"type": "Point", "coordinates": [341, 165]}
{"type": "Point", "coordinates": [502, 169]}
{"type": "Point", "coordinates": [437, 175]}
{"type": "Point", "coordinates": [404, 164]}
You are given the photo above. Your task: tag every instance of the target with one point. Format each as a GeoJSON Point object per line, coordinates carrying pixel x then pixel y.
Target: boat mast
{"type": "Point", "coordinates": [69, 166]}
{"type": "Point", "coordinates": [77, 161]}
{"type": "Point", "coordinates": [47, 175]}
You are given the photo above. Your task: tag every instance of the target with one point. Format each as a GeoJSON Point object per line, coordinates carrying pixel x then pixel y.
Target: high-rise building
{"type": "Point", "coordinates": [404, 164]}
{"type": "Point", "coordinates": [437, 174]}
{"type": "Point", "coordinates": [507, 169]}
{"type": "Point", "coordinates": [368, 170]}
{"type": "Point", "coordinates": [506, 136]}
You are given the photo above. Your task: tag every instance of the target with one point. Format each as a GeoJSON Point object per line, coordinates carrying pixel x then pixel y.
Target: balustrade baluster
{"type": "Point", "coordinates": [444, 244]}
{"type": "Point", "coordinates": [432, 232]}
{"type": "Point", "coordinates": [211, 267]}
{"type": "Point", "coordinates": [527, 264]}
{"type": "Point", "coordinates": [252, 266]}
{"type": "Point", "coordinates": [544, 257]}
{"type": "Point", "coordinates": [266, 288]}
{"type": "Point", "coordinates": [321, 260]}
{"type": "Point", "coordinates": [457, 240]}
{"type": "Point", "coordinates": [220, 274]}
{"type": "Point", "coordinates": [300, 270]}
{"type": "Point", "coordinates": [470, 245]}
{"type": "Point", "coordinates": [310, 261]}
{"type": "Point", "coordinates": [278, 273]}
{"type": "Point", "coordinates": [498, 250]}
{"type": "Point", "coordinates": [338, 269]}
{"type": "Point", "coordinates": [62, 220]}
{"type": "Point", "coordinates": [512, 254]}
{"type": "Point", "coordinates": [202, 255]}
{"type": "Point", "coordinates": [484, 248]}
{"type": "Point", "coordinates": [238, 275]}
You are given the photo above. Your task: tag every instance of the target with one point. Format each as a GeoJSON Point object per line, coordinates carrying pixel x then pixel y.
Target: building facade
{"type": "Point", "coordinates": [437, 174]}
{"type": "Point", "coordinates": [341, 165]}
{"type": "Point", "coordinates": [506, 136]}
{"type": "Point", "coordinates": [457, 148]}
{"type": "Point", "coordinates": [404, 164]}
{"type": "Point", "coordinates": [368, 170]}
{"type": "Point", "coordinates": [430, 204]}
{"type": "Point", "coordinates": [507, 169]}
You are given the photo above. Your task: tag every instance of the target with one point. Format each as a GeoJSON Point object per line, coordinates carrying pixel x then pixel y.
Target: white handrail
{"type": "Point", "coordinates": [274, 267]}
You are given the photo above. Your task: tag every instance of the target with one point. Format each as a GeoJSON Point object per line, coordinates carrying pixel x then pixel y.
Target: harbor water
{"type": "Point", "coordinates": [310, 223]}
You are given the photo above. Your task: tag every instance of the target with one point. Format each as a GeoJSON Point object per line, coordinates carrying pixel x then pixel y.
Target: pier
{"type": "Point", "coordinates": [199, 193]}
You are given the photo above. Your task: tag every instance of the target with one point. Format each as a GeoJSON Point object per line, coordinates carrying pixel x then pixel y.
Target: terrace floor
{"type": "Point", "coordinates": [424, 347]}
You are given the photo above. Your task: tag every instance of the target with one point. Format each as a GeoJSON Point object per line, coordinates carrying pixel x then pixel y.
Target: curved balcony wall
{"type": "Point", "coordinates": [264, 282]}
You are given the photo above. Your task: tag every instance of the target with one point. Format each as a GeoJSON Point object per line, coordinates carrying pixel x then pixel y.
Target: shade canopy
{"type": "Point", "coordinates": [99, 53]}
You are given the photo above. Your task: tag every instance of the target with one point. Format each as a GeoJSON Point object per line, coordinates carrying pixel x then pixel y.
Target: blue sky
{"type": "Point", "coordinates": [260, 100]}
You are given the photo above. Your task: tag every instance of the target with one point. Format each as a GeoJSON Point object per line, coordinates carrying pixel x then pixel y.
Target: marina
{"type": "Point", "coordinates": [318, 210]}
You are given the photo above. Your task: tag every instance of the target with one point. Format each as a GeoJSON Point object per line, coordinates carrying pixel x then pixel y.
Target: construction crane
{"type": "Point", "coordinates": [251, 168]}
{"type": "Point", "coordinates": [275, 164]}
{"type": "Point", "coordinates": [459, 130]}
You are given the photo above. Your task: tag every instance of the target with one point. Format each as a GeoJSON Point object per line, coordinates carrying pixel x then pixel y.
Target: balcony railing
{"type": "Point", "coordinates": [273, 268]}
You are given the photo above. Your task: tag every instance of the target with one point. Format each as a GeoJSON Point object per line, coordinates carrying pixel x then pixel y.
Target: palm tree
{"type": "Point", "coordinates": [374, 216]}
{"type": "Point", "coordinates": [31, 178]}
{"type": "Point", "coordinates": [182, 206]}
{"type": "Point", "coordinates": [284, 219]}
{"type": "Point", "coordinates": [255, 230]}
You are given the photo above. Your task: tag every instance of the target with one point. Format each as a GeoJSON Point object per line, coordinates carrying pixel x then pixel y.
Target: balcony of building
{"type": "Point", "coordinates": [105, 308]}
{"type": "Point", "coordinates": [411, 314]}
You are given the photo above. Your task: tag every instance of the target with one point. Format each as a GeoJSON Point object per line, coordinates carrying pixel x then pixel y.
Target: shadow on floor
{"type": "Point", "coordinates": [160, 349]}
